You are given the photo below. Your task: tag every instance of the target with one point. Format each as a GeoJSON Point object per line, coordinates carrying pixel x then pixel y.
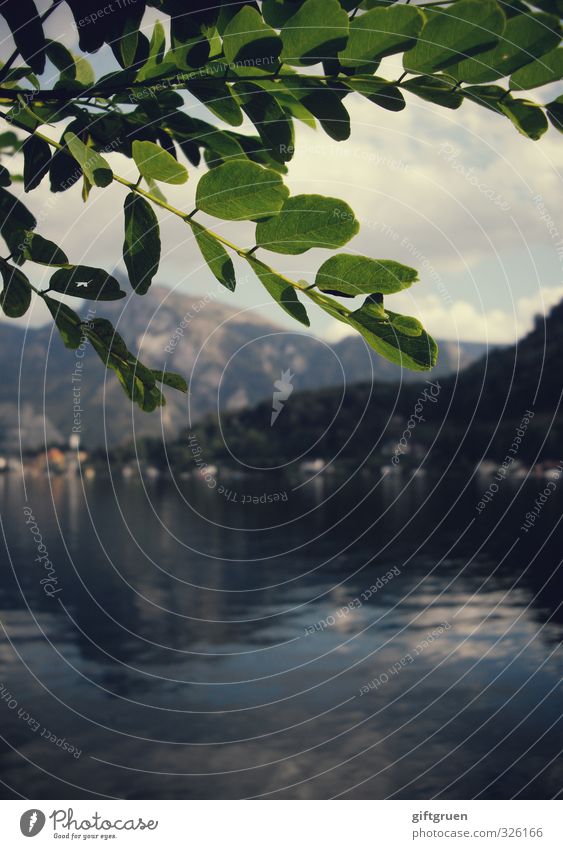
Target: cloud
{"type": "Point", "coordinates": [457, 183]}
{"type": "Point", "coordinates": [449, 192]}
{"type": "Point", "coordinates": [463, 321]}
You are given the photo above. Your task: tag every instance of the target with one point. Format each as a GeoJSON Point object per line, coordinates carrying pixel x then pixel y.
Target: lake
{"type": "Point", "coordinates": [348, 638]}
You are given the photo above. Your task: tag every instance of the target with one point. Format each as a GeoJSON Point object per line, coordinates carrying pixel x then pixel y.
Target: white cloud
{"type": "Point", "coordinates": [414, 203]}
{"type": "Point", "coordinates": [395, 171]}
{"type": "Point", "coordinates": [462, 320]}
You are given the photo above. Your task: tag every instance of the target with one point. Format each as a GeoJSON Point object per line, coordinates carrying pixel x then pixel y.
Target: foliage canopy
{"type": "Point", "coordinates": [272, 62]}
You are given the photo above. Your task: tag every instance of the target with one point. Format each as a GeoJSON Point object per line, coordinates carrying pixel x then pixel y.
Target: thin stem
{"type": "Point", "coordinates": [270, 270]}
{"type": "Point", "coordinates": [167, 206]}
{"type": "Point", "coordinates": [102, 106]}
{"type": "Point", "coordinates": [64, 95]}
{"type": "Point", "coordinates": [173, 209]}
{"type": "Point", "coordinates": [324, 301]}
{"type": "Point", "coordinates": [35, 289]}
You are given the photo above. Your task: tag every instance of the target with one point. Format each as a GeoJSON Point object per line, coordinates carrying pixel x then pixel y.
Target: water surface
{"type": "Point", "coordinates": [202, 645]}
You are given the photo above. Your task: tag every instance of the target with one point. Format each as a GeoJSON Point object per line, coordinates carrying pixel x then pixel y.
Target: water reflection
{"type": "Point", "coordinates": [203, 647]}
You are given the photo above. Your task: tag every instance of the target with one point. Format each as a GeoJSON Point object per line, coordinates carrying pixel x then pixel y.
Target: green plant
{"type": "Point", "coordinates": [272, 62]}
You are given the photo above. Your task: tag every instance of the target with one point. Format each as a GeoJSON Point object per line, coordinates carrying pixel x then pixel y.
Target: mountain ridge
{"type": "Point", "coordinates": [508, 399]}
{"type": "Point", "coordinates": [230, 357]}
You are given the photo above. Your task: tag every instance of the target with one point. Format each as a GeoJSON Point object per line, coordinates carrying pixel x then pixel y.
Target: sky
{"type": "Point", "coordinates": [457, 194]}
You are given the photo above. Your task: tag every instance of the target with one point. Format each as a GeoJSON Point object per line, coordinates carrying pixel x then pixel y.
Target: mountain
{"type": "Point", "coordinates": [230, 357]}
{"type": "Point", "coordinates": [507, 404]}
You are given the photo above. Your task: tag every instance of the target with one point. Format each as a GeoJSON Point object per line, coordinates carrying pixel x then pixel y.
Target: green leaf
{"type": "Point", "coordinates": [317, 30]}
{"type": "Point", "coordinates": [15, 297]}
{"type": "Point", "coordinates": [387, 336]}
{"type": "Point", "coordinates": [64, 171]}
{"type": "Point", "coordinates": [14, 217]}
{"type": "Point", "coordinates": [154, 65]}
{"type": "Point", "coordinates": [215, 256]}
{"type": "Point", "coordinates": [84, 72]}
{"type": "Point", "coordinates": [9, 140]}
{"type": "Point", "coordinates": [547, 69]}
{"type": "Point", "coordinates": [129, 43]}
{"type": "Point", "coordinates": [253, 149]}
{"type": "Point", "coordinates": [528, 118]}
{"type": "Point", "coordinates": [155, 162]}
{"type": "Point", "coordinates": [555, 113]}
{"type": "Point", "coordinates": [350, 275]}
{"type": "Point", "coordinates": [337, 310]}
{"type": "Point", "coordinates": [15, 75]}
{"type": "Point", "coordinates": [94, 166]}
{"type": "Point", "coordinates": [435, 89]}
{"type": "Point", "coordinates": [5, 178]}
{"type": "Point", "coordinates": [62, 59]}
{"type": "Point", "coordinates": [191, 134]}
{"type": "Point", "coordinates": [157, 43]}
{"type": "Point", "coordinates": [379, 33]}
{"type": "Point", "coordinates": [273, 125]}
{"type": "Point", "coordinates": [106, 340]}
{"type": "Point", "coordinates": [334, 308]}
{"type": "Point", "coordinates": [241, 190]}
{"type": "Point", "coordinates": [155, 190]}
{"type": "Point", "coordinates": [525, 38]}
{"type": "Point", "coordinates": [280, 290]}
{"type": "Point", "coordinates": [216, 95]}
{"type": "Point", "coordinates": [288, 101]}
{"type": "Point", "coordinates": [488, 96]}
{"type": "Point", "coordinates": [407, 324]}
{"type": "Point", "coordinates": [192, 42]}
{"type": "Point", "coordinates": [378, 91]}
{"type": "Point", "coordinates": [221, 147]}
{"type": "Point", "coordinates": [141, 248]}
{"type": "Point", "coordinates": [37, 249]}
{"type": "Point", "coordinates": [450, 34]}
{"type": "Point", "coordinates": [36, 162]}
{"type": "Point", "coordinates": [250, 44]}
{"type": "Point", "coordinates": [27, 31]}
{"type": "Point", "coordinates": [118, 79]}
{"type": "Point", "coordinates": [307, 221]}
{"type": "Point", "coordinates": [553, 6]}
{"type": "Point", "coordinates": [151, 72]}
{"type": "Point", "coordinates": [83, 281]}
{"type": "Point", "coordinates": [170, 378]}
{"type": "Point", "coordinates": [67, 321]}
{"type": "Point", "coordinates": [137, 380]}
{"type": "Point", "coordinates": [278, 12]}
{"type": "Point", "coordinates": [323, 103]}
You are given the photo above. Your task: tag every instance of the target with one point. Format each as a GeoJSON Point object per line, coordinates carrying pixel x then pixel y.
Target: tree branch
{"type": "Point", "coordinates": [134, 187]}
{"type": "Point", "coordinates": [59, 95]}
